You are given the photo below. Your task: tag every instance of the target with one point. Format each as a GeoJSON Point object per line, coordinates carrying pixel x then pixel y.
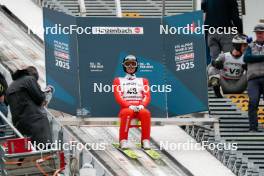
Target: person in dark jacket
{"type": "Point", "coordinates": [3, 87]}
{"type": "Point", "coordinates": [26, 101]}
{"type": "Point", "coordinates": [221, 13]}
{"type": "Point", "coordinates": [3, 104]}
{"type": "Point", "coordinates": [254, 58]}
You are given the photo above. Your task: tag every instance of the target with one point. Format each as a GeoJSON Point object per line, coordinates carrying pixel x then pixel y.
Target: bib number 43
{"type": "Point", "coordinates": [132, 91]}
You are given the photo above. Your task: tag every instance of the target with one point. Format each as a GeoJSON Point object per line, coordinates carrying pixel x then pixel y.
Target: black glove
{"type": "Point", "coordinates": [218, 64]}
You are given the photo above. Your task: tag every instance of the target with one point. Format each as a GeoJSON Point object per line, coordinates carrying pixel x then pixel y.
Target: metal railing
{"type": "Point", "coordinates": [2, 116]}
{"type": "Point", "coordinates": [118, 8]}
{"type": "Point", "coordinates": [82, 7]}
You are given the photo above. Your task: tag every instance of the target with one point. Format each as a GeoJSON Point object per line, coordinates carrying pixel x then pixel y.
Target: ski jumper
{"type": "Point", "coordinates": [128, 91]}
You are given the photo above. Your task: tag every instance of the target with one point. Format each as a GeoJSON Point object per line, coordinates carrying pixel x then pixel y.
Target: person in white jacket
{"type": "Point", "coordinates": [227, 74]}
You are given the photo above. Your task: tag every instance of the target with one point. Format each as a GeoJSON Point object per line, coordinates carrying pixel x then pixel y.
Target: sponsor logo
{"type": "Point", "coordinates": [118, 30]}
{"type": "Point", "coordinates": [62, 55]}
{"type": "Point", "coordinates": [138, 30]}
{"type": "Point", "coordinates": [187, 56]}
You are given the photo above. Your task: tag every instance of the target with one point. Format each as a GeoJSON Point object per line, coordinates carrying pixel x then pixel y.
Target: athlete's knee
{"type": "Point", "coordinates": [145, 113]}
{"type": "Point", "coordinates": [126, 112]}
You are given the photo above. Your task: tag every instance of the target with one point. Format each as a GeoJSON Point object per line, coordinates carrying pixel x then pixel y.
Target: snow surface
{"type": "Point", "coordinates": [199, 162]}
{"type": "Point", "coordinates": [28, 12]}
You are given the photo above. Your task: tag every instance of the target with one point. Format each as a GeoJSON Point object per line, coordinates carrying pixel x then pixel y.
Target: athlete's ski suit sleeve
{"type": "Point", "coordinates": [218, 63]}
{"type": "Point", "coordinates": [119, 95]}
{"type": "Point", "coordinates": [146, 94]}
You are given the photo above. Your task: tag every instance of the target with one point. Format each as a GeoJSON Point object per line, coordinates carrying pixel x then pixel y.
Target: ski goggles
{"type": "Point", "coordinates": [132, 64]}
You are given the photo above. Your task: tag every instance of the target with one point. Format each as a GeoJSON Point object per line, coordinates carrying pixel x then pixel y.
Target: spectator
{"type": "Point", "coordinates": [227, 72]}
{"type": "Point", "coordinates": [221, 13]}
{"type": "Point", "coordinates": [3, 105]}
{"type": "Point", "coordinates": [254, 58]}
{"type": "Point", "coordinates": [26, 102]}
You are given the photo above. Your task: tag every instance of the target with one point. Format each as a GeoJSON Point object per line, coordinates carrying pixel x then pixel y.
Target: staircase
{"type": "Point", "coordinates": [248, 159]}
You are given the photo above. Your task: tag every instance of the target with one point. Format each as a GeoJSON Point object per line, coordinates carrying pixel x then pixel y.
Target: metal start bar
{"type": "Point", "coordinates": [103, 121]}
{"type": "Point", "coordinates": [155, 121]}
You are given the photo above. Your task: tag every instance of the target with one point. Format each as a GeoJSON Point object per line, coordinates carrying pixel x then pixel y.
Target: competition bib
{"type": "Point", "coordinates": [132, 89]}
{"type": "Point", "coordinates": [233, 67]}
{"type": "Point", "coordinates": [233, 70]}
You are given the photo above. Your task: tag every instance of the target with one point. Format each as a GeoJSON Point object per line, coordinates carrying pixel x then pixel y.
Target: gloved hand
{"type": "Point", "coordinates": [48, 97]}
{"type": "Point", "coordinates": [140, 107]}
{"type": "Point", "coordinates": [49, 88]}
{"type": "Point", "coordinates": [134, 108]}
{"type": "Point", "coordinates": [218, 64]}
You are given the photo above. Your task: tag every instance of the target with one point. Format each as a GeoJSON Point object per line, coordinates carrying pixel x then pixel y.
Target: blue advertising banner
{"type": "Point", "coordinates": [61, 61]}
{"type": "Point", "coordinates": [91, 57]}
{"type": "Point", "coordinates": [185, 64]}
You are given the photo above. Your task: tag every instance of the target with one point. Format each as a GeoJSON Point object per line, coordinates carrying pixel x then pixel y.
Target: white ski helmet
{"type": "Point", "coordinates": [238, 40]}
{"type": "Point", "coordinates": [130, 58]}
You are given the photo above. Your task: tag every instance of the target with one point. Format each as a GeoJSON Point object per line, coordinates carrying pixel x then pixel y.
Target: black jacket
{"type": "Point", "coordinates": [222, 13]}
{"type": "Point", "coordinates": [25, 98]}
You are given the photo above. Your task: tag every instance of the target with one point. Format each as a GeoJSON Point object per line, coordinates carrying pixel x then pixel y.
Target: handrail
{"type": "Point", "coordinates": [163, 8]}
{"type": "Point", "coordinates": [11, 125]}
{"type": "Point", "coordinates": [82, 7]}
{"type": "Point", "coordinates": [118, 8]}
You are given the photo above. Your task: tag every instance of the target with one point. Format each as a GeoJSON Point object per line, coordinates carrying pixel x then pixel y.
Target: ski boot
{"type": "Point", "coordinates": [214, 81]}
{"type": "Point", "coordinates": [146, 144]}
{"type": "Point", "coordinates": [124, 144]}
